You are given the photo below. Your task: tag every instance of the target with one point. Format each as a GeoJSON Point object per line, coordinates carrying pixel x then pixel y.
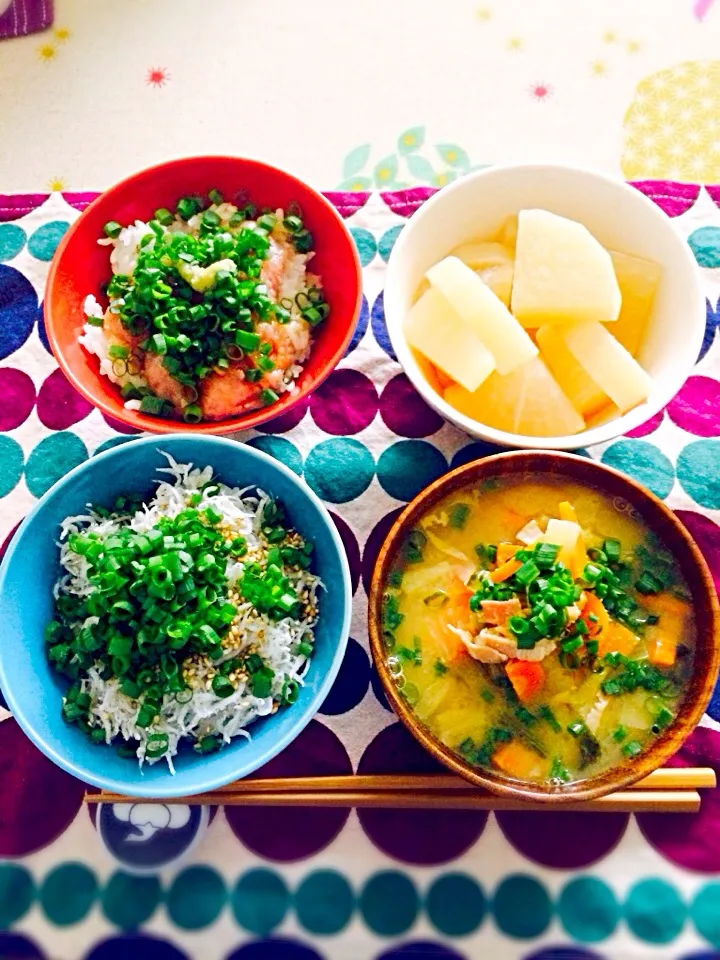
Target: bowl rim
{"type": "Point", "coordinates": [614, 778]}
{"type": "Point", "coordinates": [164, 788]}
{"type": "Point", "coordinates": [159, 425]}
{"type": "Point", "coordinates": [600, 433]}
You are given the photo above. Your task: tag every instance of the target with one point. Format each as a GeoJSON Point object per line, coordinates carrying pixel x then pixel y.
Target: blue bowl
{"type": "Point", "coordinates": [31, 566]}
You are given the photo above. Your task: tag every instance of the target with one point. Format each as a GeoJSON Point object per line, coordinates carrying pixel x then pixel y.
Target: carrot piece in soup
{"type": "Point", "coordinates": [456, 613]}
{"type": "Point", "coordinates": [527, 678]}
{"type": "Point", "coordinates": [594, 607]}
{"type": "Point", "coordinates": [567, 512]}
{"type": "Point", "coordinates": [505, 570]}
{"type": "Point", "coordinates": [517, 760]}
{"type": "Point", "coordinates": [506, 551]}
{"type": "Point", "coordinates": [661, 647]}
{"type": "Point", "coordinates": [616, 639]}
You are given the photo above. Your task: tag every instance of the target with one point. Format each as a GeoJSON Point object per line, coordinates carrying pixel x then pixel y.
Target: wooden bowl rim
{"type": "Point", "coordinates": [707, 653]}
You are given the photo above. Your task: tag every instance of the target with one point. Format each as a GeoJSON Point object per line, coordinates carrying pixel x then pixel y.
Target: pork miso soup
{"type": "Point", "coordinates": [538, 629]}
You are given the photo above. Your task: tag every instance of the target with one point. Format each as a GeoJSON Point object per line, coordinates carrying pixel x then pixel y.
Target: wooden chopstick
{"type": "Point", "coordinates": [635, 801]}
{"type": "Point", "coordinates": [666, 779]}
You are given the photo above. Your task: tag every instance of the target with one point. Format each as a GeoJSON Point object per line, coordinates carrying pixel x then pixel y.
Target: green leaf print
{"type": "Point", "coordinates": [356, 160]}
{"type": "Point", "coordinates": [453, 155]}
{"type": "Point", "coordinates": [386, 171]}
{"type": "Point", "coordinates": [356, 183]}
{"type": "Point", "coordinates": [420, 168]}
{"type": "Point", "coordinates": [411, 140]}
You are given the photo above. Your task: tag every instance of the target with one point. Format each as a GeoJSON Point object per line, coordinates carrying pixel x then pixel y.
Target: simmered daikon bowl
{"type": "Point", "coordinates": [544, 306]}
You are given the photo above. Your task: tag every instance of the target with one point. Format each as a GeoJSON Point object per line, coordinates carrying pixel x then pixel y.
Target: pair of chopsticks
{"type": "Point", "coordinates": [663, 791]}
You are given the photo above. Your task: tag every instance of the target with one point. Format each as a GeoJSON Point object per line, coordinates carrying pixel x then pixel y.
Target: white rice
{"type": "Point", "coordinates": [275, 641]}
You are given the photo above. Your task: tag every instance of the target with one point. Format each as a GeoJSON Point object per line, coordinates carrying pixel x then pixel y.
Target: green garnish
{"type": "Point", "coordinates": [459, 512]}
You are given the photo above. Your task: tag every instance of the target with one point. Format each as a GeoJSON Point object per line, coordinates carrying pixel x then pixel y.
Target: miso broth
{"type": "Point", "coordinates": [537, 628]}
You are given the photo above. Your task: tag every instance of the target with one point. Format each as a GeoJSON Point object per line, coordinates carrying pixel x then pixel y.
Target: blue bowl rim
{"type": "Point", "coordinates": [165, 789]}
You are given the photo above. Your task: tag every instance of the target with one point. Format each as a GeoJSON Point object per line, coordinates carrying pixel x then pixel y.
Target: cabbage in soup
{"type": "Point", "coordinates": [537, 628]}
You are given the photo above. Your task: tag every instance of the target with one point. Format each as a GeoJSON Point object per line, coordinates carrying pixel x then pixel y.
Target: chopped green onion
{"type": "Point", "coordinates": [648, 584]}
{"type": "Point", "coordinates": [112, 229]}
{"type": "Point", "coordinates": [632, 748]}
{"type": "Point", "coordinates": [576, 728]}
{"type": "Point", "coordinates": [459, 512]}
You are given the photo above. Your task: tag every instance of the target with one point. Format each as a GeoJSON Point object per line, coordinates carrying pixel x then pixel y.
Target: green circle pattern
{"type": "Point", "coordinates": [588, 910]}
{"type": "Point", "coordinates": [129, 901]}
{"type": "Point", "coordinates": [196, 898]}
{"type": "Point", "coordinates": [408, 466]}
{"type": "Point", "coordinates": [112, 442]}
{"type": "Point", "coordinates": [324, 902]}
{"type": "Point", "coordinates": [43, 243]}
{"type": "Point", "coordinates": [281, 449]}
{"type": "Point", "coordinates": [698, 470]}
{"type": "Point", "coordinates": [340, 469]}
{"type": "Point", "coordinates": [12, 240]}
{"type": "Point", "coordinates": [705, 913]}
{"type": "Point", "coordinates": [68, 893]}
{"type": "Point", "coordinates": [643, 462]}
{"type": "Point", "coordinates": [522, 907]}
{"type": "Point", "coordinates": [260, 901]}
{"type": "Point", "coordinates": [365, 243]}
{"type": "Point", "coordinates": [11, 465]}
{"type": "Point", "coordinates": [51, 459]}
{"type": "Point", "coordinates": [389, 903]}
{"type": "Point", "coordinates": [654, 911]}
{"type": "Point", "coordinates": [455, 905]}
{"type": "Point", "coordinates": [17, 892]}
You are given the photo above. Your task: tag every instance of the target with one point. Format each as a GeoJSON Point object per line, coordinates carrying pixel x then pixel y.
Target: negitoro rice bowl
{"type": "Point", "coordinates": [210, 310]}
{"type": "Point", "coordinates": [181, 619]}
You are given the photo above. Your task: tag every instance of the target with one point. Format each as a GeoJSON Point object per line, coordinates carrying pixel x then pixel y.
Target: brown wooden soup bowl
{"type": "Point", "coordinates": [656, 517]}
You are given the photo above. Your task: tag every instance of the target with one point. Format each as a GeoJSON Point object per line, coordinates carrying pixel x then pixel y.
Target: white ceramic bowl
{"type": "Point", "coordinates": [618, 215]}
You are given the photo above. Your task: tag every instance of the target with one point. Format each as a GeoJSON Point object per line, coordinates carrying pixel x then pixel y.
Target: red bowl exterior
{"type": "Point", "coordinates": [80, 267]}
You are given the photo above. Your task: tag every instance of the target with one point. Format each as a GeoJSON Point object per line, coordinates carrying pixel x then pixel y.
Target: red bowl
{"type": "Point", "coordinates": [80, 267]}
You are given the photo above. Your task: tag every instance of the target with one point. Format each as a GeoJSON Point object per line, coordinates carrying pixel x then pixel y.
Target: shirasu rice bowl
{"type": "Point", "coordinates": [181, 619]}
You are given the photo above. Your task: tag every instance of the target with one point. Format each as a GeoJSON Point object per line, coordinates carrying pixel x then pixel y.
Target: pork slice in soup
{"type": "Point", "coordinates": [538, 629]}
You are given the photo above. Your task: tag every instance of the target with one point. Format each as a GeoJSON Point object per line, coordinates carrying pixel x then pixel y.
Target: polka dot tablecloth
{"type": "Point", "coordinates": [305, 884]}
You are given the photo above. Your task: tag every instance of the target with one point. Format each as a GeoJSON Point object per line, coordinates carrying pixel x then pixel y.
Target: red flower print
{"type": "Point", "coordinates": [541, 91]}
{"type": "Point", "coordinates": [157, 77]}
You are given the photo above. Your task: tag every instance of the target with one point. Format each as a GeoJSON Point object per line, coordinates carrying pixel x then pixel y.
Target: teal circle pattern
{"type": "Point", "coordinates": [12, 240]}
{"type": "Point", "coordinates": [196, 898]}
{"type": "Point", "coordinates": [387, 241]}
{"type": "Point", "coordinates": [455, 905]}
{"type": "Point", "coordinates": [522, 907]}
{"type": "Point", "coordinates": [654, 911]}
{"type": "Point", "coordinates": [11, 465]}
{"type": "Point", "coordinates": [365, 243]}
{"type": "Point", "coordinates": [588, 910]}
{"type": "Point", "coordinates": [51, 459]}
{"type": "Point", "coordinates": [129, 901]}
{"type": "Point", "coordinates": [340, 469]}
{"type": "Point", "coordinates": [324, 902]}
{"type": "Point", "coordinates": [43, 243]}
{"type": "Point", "coordinates": [260, 901]}
{"type": "Point", "coordinates": [698, 470]}
{"type": "Point", "coordinates": [705, 912]}
{"type": "Point", "coordinates": [68, 893]}
{"type": "Point", "coordinates": [642, 461]}
{"type": "Point", "coordinates": [112, 442]}
{"type": "Point", "coordinates": [281, 449]}
{"type": "Point", "coordinates": [408, 466]}
{"type": "Point", "coordinates": [17, 892]}
{"type": "Point", "coordinates": [389, 903]}
{"type": "Point", "coordinates": [705, 245]}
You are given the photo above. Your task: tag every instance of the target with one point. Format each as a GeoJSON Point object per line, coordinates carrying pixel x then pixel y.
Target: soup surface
{"type": "Point", "coordinates": [538, 628]}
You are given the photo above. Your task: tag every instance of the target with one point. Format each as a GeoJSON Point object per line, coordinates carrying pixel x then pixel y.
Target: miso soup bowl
{"type": "Point", "coordinates": [617, 214]}
{"type": "Point", "coordinates": [628, 496]}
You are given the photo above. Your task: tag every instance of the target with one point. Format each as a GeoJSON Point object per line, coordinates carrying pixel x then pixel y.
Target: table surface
{"type": "Point", "coordinates": [394, 95]}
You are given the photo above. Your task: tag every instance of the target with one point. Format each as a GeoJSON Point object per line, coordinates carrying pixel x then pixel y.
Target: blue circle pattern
{"type": "Point", "coordinates": [712, 321]}
{"type": "Point", "coordinates": [365, 243]}
{"type": "Point", "coordinates": [379, 327]}
{"type": "Point", "coordinates": [705, 245]}
{"type": "Point", "coordinates": [351, 682]}
{"type": "Point", "coordinates": [281, 449]}
{"type": "Point", "coordinates": [18, 309]}
{"type": "Point", "coordinates": [43, 243]}
{"type": "Point", "coordinates": [361, 327]}
{"type": "Point", "coordinates": [41, 329]}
